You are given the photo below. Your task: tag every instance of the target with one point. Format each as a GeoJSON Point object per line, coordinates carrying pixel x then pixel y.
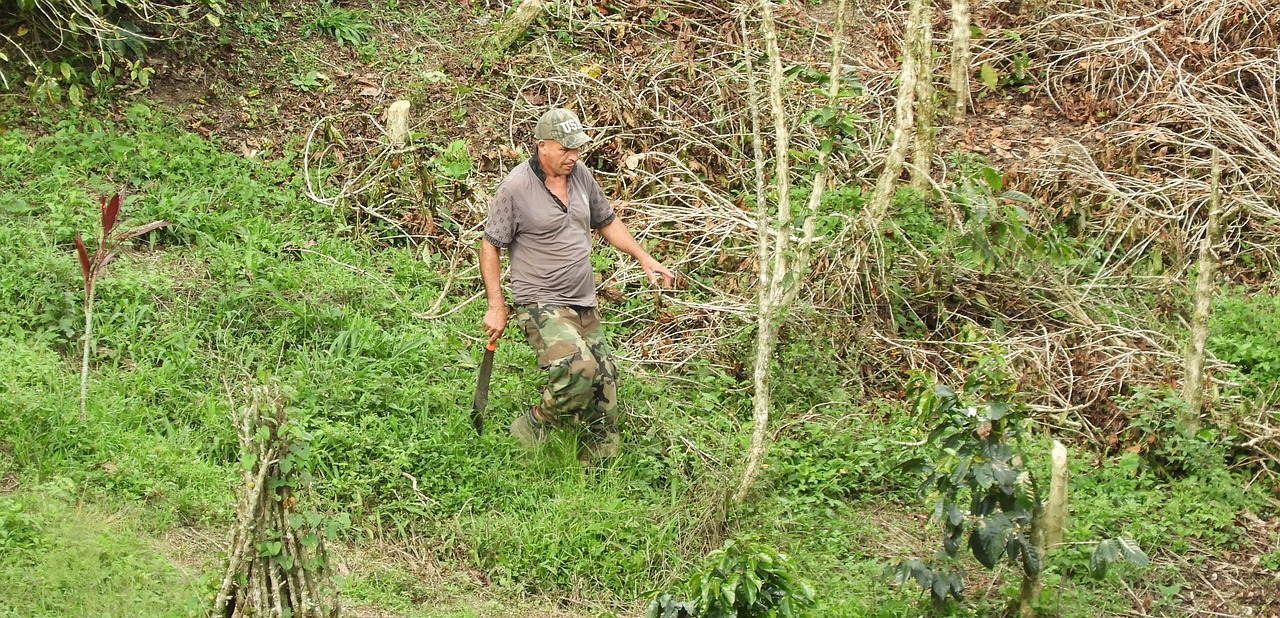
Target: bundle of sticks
{"type": "Point", "coordinates": [278, 564]}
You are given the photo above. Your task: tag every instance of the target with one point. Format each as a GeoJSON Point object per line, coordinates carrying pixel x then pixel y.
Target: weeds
{"type": "Point", "coordinates": [227, 297]}
{"type": "Point", "coordinates": [88, 562]}
{"type": "Point", "coordinates": [20, 531]}
{"type": "Point", "coordinates": [346, 26]}
{"type": "Point", "coordinates": [1243, 334]}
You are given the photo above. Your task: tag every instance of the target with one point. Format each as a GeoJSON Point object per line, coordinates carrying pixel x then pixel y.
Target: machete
{"type": "Point", "coordinates": [482, 388]}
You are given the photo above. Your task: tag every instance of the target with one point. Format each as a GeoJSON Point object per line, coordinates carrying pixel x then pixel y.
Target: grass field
{"type": "Point", "coordinates": [123, 514]}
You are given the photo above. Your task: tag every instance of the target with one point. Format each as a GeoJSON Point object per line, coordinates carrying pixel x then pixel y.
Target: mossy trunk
{"type": "Point", "coordinates": [961, 57]}
{"type": "Point", "coordinates": [515, 26]}
{"type": "Point", "coordinates": [904, 119]}
{"type": "Point", "coordinates": [926, 107]}
{"type": "Point", "coordinates": [1047, 523]}
{"type": "Point", "coordinates": [1193, 384]}
{"type": "Point", "coordinates": [780, 270]}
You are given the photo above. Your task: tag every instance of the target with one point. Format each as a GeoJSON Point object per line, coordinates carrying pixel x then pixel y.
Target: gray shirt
{"type": "Point", "coordinates": [549, 241]}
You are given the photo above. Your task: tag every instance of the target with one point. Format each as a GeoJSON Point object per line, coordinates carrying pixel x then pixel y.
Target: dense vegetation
{"type": "Point", "coordinates": [371, 338]}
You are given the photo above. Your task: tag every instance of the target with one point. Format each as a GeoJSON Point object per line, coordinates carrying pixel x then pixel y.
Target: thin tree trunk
{"type": "Point", "coordinates": [1193, 384]}
{"type": "Point", "coordinates": [775, 290]}
{"type": "Point", "coordinates": [774, 267]}
{"type": "Point", "coordinates": [1046, 527]}
{"type": "Point", "coordinates": [961, 56]}
{"type": "Point", "coordinates": [905, 122]}
{"type": "Point", "coordinates": [88, 344]}
{"type": "Point", "coordinates": [1027, 595]}
{"type": "Point", "coordinates": [820, 177]}
{"type": "Point", "coordinates": [757, 147]}
{"type": "Point", "coordinates": [1055, 508]}
{"type": "Point", "coordinates": [926, 108]}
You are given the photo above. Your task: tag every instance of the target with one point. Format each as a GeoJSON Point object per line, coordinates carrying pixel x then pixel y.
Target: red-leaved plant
{"type": "Point", "coordinates": [91, 268]}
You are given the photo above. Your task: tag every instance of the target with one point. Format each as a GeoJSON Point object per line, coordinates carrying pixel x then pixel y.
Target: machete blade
{"type": "Point", "coordinates": [482, 388]}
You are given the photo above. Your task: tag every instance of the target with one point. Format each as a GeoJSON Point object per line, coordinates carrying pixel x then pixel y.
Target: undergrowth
{"type": "Point", "coordinates": [253, 282]}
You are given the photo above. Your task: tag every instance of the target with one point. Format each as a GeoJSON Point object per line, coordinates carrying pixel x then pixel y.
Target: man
{"type": "Point", "coordinates": [543, 213]}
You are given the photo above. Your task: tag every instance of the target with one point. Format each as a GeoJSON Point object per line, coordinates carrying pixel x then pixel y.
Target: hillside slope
{"type": "Point", "coordinates": [307, 252]}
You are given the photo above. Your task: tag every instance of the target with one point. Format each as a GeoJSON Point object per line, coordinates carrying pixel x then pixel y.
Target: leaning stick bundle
{"type": "Point", "coordinates": [278, 564]}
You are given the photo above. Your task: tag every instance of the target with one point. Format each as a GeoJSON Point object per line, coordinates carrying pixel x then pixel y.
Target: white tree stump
{"type": "Point", "coordinates": [398, 123]}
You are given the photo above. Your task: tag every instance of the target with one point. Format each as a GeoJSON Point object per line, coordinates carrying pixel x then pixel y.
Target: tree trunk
{"type": "Point", "coordinates": [773, 268]}
{"type": "Point", "coordinates": [1193, 384]}
{"type": "Point", "coordinates": [822, 173]}
{"type": "Point", "coordinates": [961, 57]}
{"type": "Point", "coordinates": [516, 25]}
{"type": "Point", "coordinates": [926, 107]}
{"type": "Point", "coordinates": [398, 123]}
{"type": "Point", "coordinates": [905, 122]}
{"type": "Point", "coordinates": [1027, 595]}
{"type": "Point", "coordinates": [1055, 508]}
{"type": "Point", "coordinates": [777, 290]}
{"type": "Point", "coordinates": [1046, 527]}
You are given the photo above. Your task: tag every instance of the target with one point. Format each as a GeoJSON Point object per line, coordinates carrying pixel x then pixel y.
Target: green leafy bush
{"type": "Point", "coordinates": [980, 485]}
{"type": "Point", "coordinates": [346, 26]}
{"type": "Point", "coordinates": [742, 579]}
{"type": "Point", "coordinates": [95, 44]}
{"type": "Point", "coordinates": [20, 531]}
{"type": "Point", "coordinates": [979, 461]}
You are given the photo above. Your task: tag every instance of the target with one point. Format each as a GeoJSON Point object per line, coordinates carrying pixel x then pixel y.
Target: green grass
{"type": "Point", "coordinates": [226, 298]}
{"type": "Point", "coordinates": [90, 562]}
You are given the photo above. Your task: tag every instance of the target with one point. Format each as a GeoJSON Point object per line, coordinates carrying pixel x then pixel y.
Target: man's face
{"type": "Point", "coordinates": [556, 159]}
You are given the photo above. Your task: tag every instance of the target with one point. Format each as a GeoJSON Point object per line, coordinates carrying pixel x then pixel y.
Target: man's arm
{"type": "Point", "coordinates": [617, 234]}
{"type": "Point", "coordinates": [495, 319]}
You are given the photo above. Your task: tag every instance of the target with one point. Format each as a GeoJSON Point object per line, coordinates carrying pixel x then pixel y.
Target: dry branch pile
{"type": "Point", "coordinates": [1169, 82]}
{"type": "Point", "coordinates": [278, 562]}
{"type": "Point", "coordinates": [1159, 86]}
{"type": "Point", "coordinates": [666, 98]}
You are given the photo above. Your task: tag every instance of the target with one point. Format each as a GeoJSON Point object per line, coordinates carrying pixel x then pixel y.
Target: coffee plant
{"type": "Point", "coordinates": [742, 579]}
{"type": "Point", "coordinates": [979, 486]}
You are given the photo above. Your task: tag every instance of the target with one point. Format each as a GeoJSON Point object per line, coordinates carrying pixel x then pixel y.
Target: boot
{"type": "Point", "coordinates": [596, 446]}
{"type": "Point", "coordinates": [528, 430]}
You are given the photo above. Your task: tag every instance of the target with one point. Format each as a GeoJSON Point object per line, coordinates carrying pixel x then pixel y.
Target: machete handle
{"type": "Point", "coordinates": [493, 345]}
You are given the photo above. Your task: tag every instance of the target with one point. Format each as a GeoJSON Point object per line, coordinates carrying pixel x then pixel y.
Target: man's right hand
{"type": "Point", "coordinates": [495, 321]}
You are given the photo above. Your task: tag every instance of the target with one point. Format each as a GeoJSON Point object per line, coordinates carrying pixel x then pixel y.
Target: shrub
{"type": "Point", "coordinates": [98, 42]}
{"type": "Point", "coordinates": [19, 530]}
{"type": "Point", "coordinates": [978, 482]}
{"type": "Point", "coordinates": [742, 579]}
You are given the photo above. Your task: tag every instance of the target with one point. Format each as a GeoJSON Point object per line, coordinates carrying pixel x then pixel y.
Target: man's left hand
{"type": "Point", "coordinates": [653, 269]}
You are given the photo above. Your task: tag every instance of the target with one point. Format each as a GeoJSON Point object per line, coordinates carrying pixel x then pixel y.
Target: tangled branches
{"type": "Point", "coordinates": [665, 99]}
{"type": "Point", "coordinates": [109, 31]}
{"type": "Point", "coordinates": [52, 37]}
{"type": "Point", "coordinates": [1166, 84]}
{"type": "Point", "coordinates": [1176, 83]}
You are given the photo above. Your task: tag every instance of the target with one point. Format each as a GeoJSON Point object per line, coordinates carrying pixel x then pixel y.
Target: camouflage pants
{"type": "Point", "coordinates": [581, 390]}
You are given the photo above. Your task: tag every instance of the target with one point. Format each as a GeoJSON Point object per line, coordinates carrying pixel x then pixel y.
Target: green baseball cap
{"type": "Point", "coordinates": [563, 126]}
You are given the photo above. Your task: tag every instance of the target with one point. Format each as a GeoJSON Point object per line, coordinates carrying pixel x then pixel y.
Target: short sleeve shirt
{"type": "Point", "coordinates": [549, 241]}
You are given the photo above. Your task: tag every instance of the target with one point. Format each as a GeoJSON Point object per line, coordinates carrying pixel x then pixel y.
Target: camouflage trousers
{"type": "Point", "coordinates": [581, 390]}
